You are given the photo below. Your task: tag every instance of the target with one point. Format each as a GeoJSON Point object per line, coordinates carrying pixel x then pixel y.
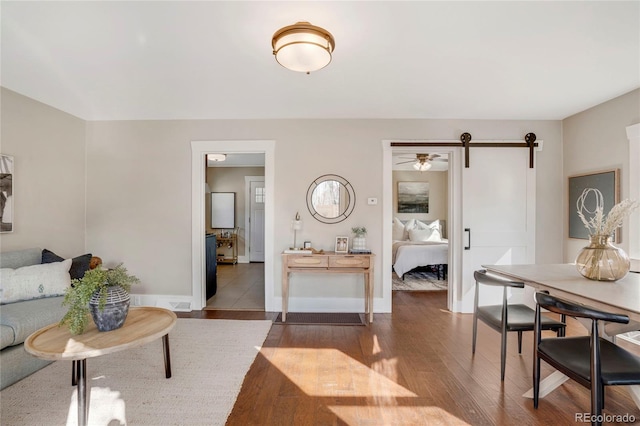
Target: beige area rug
{"type": "Point", "coordinates": [209, 359]}
{"type": "Point", "coordinates": [418, 281]}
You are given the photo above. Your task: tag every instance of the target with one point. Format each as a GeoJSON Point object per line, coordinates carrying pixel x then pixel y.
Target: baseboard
{"type": "Point", "coordinates": [173, 303]}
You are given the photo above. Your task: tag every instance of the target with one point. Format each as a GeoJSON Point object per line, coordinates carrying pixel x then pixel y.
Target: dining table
{"type": "Point", "coordinates": [564, 280]}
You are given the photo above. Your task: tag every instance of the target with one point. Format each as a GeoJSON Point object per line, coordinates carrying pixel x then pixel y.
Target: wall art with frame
{"type": "Point", "coordinates": [413, 197]}
{"type": "Point", "coordinates": [607, 182]}
{"type": "Point", "coordinates": [6, 193]}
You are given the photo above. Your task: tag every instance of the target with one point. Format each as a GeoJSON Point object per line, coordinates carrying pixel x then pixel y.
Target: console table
{"type": "Point", "coordinates": [329, 263]}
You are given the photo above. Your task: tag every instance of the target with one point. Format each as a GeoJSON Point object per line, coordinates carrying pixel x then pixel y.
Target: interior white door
{"type": "Point", "coordinates": [498, 216]}
{"type": "Point", "coordinates": [256, 222]}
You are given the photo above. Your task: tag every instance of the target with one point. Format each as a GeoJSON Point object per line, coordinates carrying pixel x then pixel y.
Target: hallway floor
{"type": "Point", "coordinates": [240, 288]}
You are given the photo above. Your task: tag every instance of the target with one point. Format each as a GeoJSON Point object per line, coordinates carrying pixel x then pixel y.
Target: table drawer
{"type": "Point", "coordinates": [307, 262]}
{"type": "Point", "coordinates": [349, 261]}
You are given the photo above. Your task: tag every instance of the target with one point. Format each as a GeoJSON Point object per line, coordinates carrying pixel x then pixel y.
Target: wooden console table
{"type": "Point", "coordinates": [329, 263]}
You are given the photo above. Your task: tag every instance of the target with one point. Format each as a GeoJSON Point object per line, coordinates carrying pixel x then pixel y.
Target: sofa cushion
{"type": "Point", "coordinates": [79, 264]}
{"type": "Point", "coordinates": [22, 319]}
{"type": "Point", "coordinates": [7, 336]}
{"type": "Point", "coordinates": [20, 258]}
{"type": "Point", "coordinates": [35, 281]}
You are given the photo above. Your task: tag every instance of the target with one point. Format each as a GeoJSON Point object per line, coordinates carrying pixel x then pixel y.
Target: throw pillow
{"type": "Point", "coordinates": [35, 281]}
{"type": "Point", "coordinates": [397, 230]}
{"type": "Point", "coordinates": [420, 234]}
{"type": "Point", "coordinates": [411, 224]}
{"type": "Point", "coordinates": [79, 264]}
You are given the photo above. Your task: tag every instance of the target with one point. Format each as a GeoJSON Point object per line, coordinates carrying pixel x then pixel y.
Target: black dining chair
{"type": "Point", "coordinates": [592, 361]}
{"type": "Point", "coordinates": [506, 317]}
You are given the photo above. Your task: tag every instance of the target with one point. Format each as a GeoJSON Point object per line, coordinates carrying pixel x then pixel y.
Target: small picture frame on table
{"type": "Point", "coordinates": [342, 244]}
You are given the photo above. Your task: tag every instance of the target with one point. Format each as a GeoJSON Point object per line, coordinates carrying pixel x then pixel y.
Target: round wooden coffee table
{"type": "Point", "coordinates": [143, 325]}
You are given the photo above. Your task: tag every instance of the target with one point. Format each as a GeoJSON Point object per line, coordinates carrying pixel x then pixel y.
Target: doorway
{"type": "Point", "coordinates": [199, 149]}
{"type": "Point", "coordinates": [420, 193]}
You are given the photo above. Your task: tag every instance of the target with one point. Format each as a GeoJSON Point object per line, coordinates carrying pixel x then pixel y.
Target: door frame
{"type": "Point", "coordinates": [454, 219]}
{"type": "Point", "coordinates": [199, 149]}
{"type": "Point", "coordinates": [247, 213]}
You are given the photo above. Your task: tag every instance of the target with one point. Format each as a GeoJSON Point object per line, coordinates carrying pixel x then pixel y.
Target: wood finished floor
{"type": "Point", "coordinates": [411, 367]}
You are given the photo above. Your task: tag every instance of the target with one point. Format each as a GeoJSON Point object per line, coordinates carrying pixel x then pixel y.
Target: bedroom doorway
{"type": "Point", "coordinates": [420, 208]}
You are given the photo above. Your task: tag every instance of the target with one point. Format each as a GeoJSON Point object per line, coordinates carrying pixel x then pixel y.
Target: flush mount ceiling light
{"type": "Point", "coordinates": [216, 157]}
{"type": "Point", "coordinates": [303, 47]}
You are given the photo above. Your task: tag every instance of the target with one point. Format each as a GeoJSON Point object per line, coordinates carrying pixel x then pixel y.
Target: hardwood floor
{"type": "Point", "coordinates": [411, 367]}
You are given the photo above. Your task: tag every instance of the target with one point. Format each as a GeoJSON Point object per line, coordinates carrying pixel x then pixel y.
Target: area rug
{"type": "Point", "coordinates": [418, 281]}
{"type": "Point", "coordinates": [321, 318]}
{"type": "Point", "coordinates": [209, 359]}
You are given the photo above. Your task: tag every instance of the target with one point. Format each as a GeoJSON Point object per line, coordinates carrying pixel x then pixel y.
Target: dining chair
{"type": "Point", "coordinates": [506, 317]}
{"type": "Point", "coordinates": [591, 361]}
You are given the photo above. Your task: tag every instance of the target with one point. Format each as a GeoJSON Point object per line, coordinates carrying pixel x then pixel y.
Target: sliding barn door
{"type": "Point", "coordinates": [498, 215]}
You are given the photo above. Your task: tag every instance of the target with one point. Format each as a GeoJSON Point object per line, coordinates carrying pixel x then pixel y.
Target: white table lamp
{"type": "Point", "coordinates": [296, 225]}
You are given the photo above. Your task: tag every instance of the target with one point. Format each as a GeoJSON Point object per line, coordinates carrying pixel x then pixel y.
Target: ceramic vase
{"type": "Point", "coordinates": [115, 310]}
{"type": "Point", "coordinates": [602, 261]}
{"type": "Point", "coordinates": [359, 243]}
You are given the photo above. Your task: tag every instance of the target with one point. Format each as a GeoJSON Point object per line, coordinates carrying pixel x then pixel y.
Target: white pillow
{"type": "Point", "coordinates": [420, 234]}
{"type": "Point", "coordinates": [411, 224]}
{"type": "Point", "coordinates": [397, 230]}
{"type": "Point", "coordinates": [35, 281]}
{"type": "Point", "coordinates": [435, 236]}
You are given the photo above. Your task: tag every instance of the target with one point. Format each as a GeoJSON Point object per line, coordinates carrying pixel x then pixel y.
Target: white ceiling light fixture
{"type": "Point", "coordinates": [303, 47]}
{"type": "Point", "coordinates": [422, 166]}
{"type": "Point", "coordinates": [216, 157]}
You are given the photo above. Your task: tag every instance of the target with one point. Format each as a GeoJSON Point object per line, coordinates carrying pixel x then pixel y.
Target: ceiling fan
{"type": "Point", "coordinates": [422, 162]}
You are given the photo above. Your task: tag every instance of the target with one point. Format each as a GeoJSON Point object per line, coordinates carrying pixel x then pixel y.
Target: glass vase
{"type": "Point", "coordinates": [602, 261]}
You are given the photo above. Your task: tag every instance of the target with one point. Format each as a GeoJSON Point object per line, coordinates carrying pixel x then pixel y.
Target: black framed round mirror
{"type": "Point", "coordinates": [331, 199]}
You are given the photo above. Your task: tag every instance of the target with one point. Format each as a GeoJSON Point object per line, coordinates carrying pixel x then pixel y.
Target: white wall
{"type": "Point", "coordinates": [138, 185]}
{"type": "Point", "coordinates": [138, 205]}
{"type": "Point", "coordinates": [596, 140]}
{"type": "Point", "coordinates": [48, 147]}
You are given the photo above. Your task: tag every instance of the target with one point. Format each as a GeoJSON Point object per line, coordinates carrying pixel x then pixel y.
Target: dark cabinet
{"type": "Point", "coordinates": [211, 278]}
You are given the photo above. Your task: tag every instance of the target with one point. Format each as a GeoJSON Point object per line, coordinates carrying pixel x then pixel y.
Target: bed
{"type": "Point", "coordinates": [419, 244]}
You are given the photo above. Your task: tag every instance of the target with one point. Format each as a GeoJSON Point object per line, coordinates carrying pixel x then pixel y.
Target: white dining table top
{"type": "Point", "coordinates": [618, 296]}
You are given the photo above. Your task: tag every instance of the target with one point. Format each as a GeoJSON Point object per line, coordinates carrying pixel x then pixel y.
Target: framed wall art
{"type": "Point", "coordinates": [413, 197]}
{"type": "Point", "coordinates": [607, 182]}
{"type": "Point", "coordinates": [6, 193]}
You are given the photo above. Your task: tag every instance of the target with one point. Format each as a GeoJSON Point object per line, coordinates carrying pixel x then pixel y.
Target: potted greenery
{"type": "Point", "coordinates": [360, 241]}
{"type": "Point", "coordinates": [104, 293]}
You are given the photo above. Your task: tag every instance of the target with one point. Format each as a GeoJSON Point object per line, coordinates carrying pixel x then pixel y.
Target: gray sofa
{"type": "Point", "coordinates": [19, 319]}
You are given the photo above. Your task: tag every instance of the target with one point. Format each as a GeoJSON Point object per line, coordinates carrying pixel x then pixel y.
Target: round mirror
{"type": "Point", "coordinates": [331, 199]}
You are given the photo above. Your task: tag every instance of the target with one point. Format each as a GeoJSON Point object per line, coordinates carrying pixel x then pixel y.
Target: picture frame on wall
{"type": "Point", "coordinates": [342, 244]}
{"type": "Point", "coordinates": [607, 182]}
{"type": "Point", "coordinates": [6, 193]}
{"type": "Point", "coordinates": [413, 197]}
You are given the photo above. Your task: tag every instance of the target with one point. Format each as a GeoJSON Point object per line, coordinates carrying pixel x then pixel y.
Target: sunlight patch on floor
{"type": "Point", "coordinates": [432, 416]}
{"type": "Point", "coordinates": [105, 406]}
{"type": "Point", "coordinates": [338, 374]}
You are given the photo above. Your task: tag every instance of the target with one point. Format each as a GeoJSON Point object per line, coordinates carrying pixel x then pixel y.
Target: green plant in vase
{"type": "Point", "coordinates": [98, 289]}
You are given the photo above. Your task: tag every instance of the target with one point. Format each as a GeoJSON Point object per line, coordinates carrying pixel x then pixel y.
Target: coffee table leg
{"type": "Point", "coordinates": [167, 356]}
{"type": "Point", "coordinates": [83, 409]}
